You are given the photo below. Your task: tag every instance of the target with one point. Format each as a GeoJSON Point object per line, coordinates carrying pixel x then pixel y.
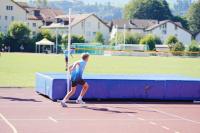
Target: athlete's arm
{"type": "Point", "coordinates": [73, 66]}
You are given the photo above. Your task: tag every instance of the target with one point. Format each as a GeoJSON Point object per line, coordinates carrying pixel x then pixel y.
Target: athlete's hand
{"type": "Point", "coordinates": [71, 69]}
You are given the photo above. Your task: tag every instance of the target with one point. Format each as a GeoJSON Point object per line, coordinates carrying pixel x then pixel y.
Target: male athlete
{"type": "Point", "coordinates": [66, 57]}
{"type": "Point", "coordinates": [76, 71]}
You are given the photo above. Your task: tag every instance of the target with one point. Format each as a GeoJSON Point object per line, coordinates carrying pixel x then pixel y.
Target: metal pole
{"type": "Point", "coordinates": [121, 37]}
{"type": "Point", "coordinates": [57, 40]}
{"type": "Point", "coordinates": [116, 36]}
{"type": "Point", "coordinates": [124, 34]}
{"type": "Point", "coordinates": [69, 48]}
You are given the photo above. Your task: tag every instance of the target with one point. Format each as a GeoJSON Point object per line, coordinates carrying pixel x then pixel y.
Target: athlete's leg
{"type": "Point", "coordinates": [84, 90]}
{"type": "Point", "coordinates": [70, 93]}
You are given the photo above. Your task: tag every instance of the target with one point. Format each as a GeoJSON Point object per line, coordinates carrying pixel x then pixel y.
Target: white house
{"type": "Point", "coordinates": [162, 29]}
{"type": "Point", "coordinates": [37, 15]}
{"type": "Point", "coordinates": [197, 36]}
{"type": "Point", "coordinates": [11, 11]}
{"type": "Point", "coordinates": [82, 24]}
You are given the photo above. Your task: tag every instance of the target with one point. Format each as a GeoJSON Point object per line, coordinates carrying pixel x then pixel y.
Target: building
{"type": "Point", "coordinates": [160, 28]}
{"type": "Point", "coordinates": [197, 36]}
{"type": "Point", "coordinates": [11, 11]}
{"type": "Point", "coordinates": [37, 15]}
{"type": "Point", "coordinates": [82, 24]}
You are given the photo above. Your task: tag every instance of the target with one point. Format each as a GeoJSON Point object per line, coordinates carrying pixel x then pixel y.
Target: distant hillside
{"type": "Point", "coordinates": [98, 1]}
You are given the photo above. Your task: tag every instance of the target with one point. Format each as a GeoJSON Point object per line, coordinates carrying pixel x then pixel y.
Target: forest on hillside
{"type": "Point", "coordinates": [106, 10]}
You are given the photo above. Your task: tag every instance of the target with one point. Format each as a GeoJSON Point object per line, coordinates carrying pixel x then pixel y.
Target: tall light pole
{"type": "Point", "coordinates": [124, 33]}
{"type": "Point", "coordinates": [57, 40]}
{"type": "Point", "coordinates": [116, 36]}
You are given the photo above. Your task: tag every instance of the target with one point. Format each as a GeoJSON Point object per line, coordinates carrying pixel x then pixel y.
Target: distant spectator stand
{"type": "Point", "coordinates": [44, 42]}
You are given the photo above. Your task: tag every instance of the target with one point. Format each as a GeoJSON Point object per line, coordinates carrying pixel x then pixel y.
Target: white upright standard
{"type": "Point", "coordinates": [69, 48]}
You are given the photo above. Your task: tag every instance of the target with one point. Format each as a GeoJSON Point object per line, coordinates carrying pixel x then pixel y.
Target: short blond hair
{"type": "Point", "coordinates": [85, 55]}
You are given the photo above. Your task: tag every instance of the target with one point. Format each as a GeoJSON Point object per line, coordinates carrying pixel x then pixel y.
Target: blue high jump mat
{"type": "Point", "coordinates": [138, 86]}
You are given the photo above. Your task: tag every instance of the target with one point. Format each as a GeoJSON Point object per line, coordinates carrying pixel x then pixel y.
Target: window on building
{"type": "Point", "coordinates": [94, 33]}
{"type": "Point", "coordinates": [88, 33]}
{"type": "Point", "coordinates": [88, 24]}
{"type": "Point", "coordinates": [34, 33]}
{"type": "Point", "coordinates": [62, 22]}
{"type": "Point", "coordinates": [98, 25]}
{"type": "Point", "coordinates": [34, 24]}
{"type": "Point", "coordinates": [0, 17]}
{"type": "Point", "coordinates": [164, 32]}
{"type": "Point", "coordinates": [67, 31]}
{"type": "Point", "coordinates": [9, 7]}
{"type": "Point", "coordinates": [12, 18]}
{"type": "Point", "coordinates": [44, 23]}
{"type": "Point", "coordinates": [6, 17]}
{"type": "Point", "coordinates": [176, 27]}
{"type": "Point", "coordinates": [82, 24]}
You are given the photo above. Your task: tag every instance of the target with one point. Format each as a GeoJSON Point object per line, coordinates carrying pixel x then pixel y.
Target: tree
{"type": "Point", "coordinates": [38, 3]}
{"type": "Point", "coordinates": [129, 38]}
{"type": "Point", "coordinates": [171, 39]}
{"type": "Point", "coordinates": [19, 30]}
{"type": "Point", "coordinates": [182, 19]}
{"type": "Point", "coordinates": [65, 39]}
{"type": "Point", "coordinates": [167, 11]}
{"type": "Point", "coordinates": [147, 9]}
{"type": "Point", "coordinates": [193, 16]}
{"type": "Point", "coordinates": [149, 40]}
{"type": "Point", "coordinates": [41, 3]}
{"type": "Point", "coordinates": [1, 38]}
{"type": "Point", "coordinates": [99, 38]}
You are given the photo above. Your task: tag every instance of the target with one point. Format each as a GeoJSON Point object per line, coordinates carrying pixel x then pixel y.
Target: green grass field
{"type": "Point", "coordinates": [20, 69]}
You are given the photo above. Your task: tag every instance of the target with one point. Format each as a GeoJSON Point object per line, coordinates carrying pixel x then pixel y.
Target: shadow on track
{"type": "Point", "coordinates": [19, 99]}
{"type": "Point", "coordinates": [105, 109]}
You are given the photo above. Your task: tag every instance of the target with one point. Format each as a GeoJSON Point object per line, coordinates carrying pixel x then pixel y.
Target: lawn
{"type": "Point", "coordinates": [20, 69]}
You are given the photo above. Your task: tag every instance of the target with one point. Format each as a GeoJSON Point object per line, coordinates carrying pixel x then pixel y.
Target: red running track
{"type": "Point", "coordinates": [23, 111]}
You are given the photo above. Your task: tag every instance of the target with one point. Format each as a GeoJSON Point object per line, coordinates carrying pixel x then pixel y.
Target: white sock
{"type": "Point", "coordinates": [64, 100]}
{"type": "Point", "coordinates": [80, 98]}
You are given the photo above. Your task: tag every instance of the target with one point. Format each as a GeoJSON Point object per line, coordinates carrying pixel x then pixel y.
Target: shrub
{"type": "Point", "coordinates": [178, 46]}
{"type": "Point", "coordinates": [157, 40]}
{"type": "Point", "coordinates": [192, 47]}
{"type": "Point", "coordinates": [171, 39]}
{"type": "Point", "coordinates": [142, 41]}
{"type": "Point", "coordinates": [149, 40]}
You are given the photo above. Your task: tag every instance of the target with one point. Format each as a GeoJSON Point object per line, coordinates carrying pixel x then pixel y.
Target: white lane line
{"type": "Point", "coordinates": [141, 119]}
{"type": "Point", "coordinates": [13, 128]}
{"type": "Point", "coordinates": [29, 107]}
{"type": "Point", "coordinates": [176, 132]}
{"type": "Point", "coordinates": [166, 113]}
{"type": "Point", "coordinates": [165, 127]}
{"type": "Point", "coordinates": [130, 115]}
{"type": "Point", "coordinates": [152, 123]}
{"type": "Point", "coordinates": [52, 119]}
{"type": "Point", "coordinates": [83, 119]}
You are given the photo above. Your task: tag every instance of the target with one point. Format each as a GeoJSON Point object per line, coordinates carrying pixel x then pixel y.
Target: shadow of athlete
{"type": "Point", "coordinates": [76, 71]}
{"type": "Point", "coordinates": [19, 99]}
